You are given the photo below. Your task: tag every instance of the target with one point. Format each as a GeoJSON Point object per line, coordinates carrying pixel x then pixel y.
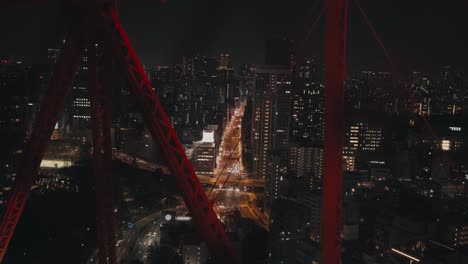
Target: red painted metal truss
{"type": "Point", "coordinates": [110, 40]}
{"type": "Point", "coordinates": [335, 69]}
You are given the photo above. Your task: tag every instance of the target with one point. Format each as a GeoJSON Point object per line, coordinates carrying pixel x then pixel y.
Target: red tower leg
{"type": "Point", "coordinates": [203, 215]}
{"type": "Point", "coordinates": [102, 153]}
{"type": "Point", "coordinates": [334, 130]}
{"type": "Point", "coordinates": [52, 106]}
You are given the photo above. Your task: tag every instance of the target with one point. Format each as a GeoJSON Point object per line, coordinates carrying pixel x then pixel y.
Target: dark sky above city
{"type": "Point", "coordinates": [420, 35]}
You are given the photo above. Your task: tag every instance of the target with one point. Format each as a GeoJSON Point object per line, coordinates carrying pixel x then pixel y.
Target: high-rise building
{"type": "Point", "coordinates": [205, 154]}
{"type": "Point", "coordinates": [226, 92]}
{"type": "Point", "coordinates": [307, 112]}
{"type": "Point", "coordinates": [202, 67]}
{"type": "Point", "coordinates": [421, 89]}
{"type": "Point", "coordinates": [246, 82]}
{"type": "Point", "coordinates": [307, 163]}
{"type": "Point", "coordinates": [270, 115]}
{"type": "Point", "coordinates": [449, 92]}
{"type": "Point", "coordinates": [188, 68]}
{"type": "Point", "coordinates": [80, 106]}
{"type": "Point", "coordinates": [364, 141]}
{"type": "Point", "coordinates": [371, 91]}
{"type": "Point", "coordinates": [457, 234]}
{"type": "Point", "coordinates": [313, 200]}
{"type": "Point", "coordinates": [288, 224]}
{"type": "Point", "coordinates": [193, 250]}
{"type": "Point", "coordinates": [224, 61]}
{"type": "Point", "coordinates": [275, 181]}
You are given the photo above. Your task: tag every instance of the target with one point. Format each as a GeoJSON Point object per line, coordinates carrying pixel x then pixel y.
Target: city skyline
{"type": "Point", "coordinates": [216, 144]}
{"type": "Point", "coordinates": [161, 32]}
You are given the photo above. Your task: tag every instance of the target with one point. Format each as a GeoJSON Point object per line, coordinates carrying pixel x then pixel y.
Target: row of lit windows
{"type": "Point", "coordinates": [82, 116]}
{"type": "Point", "coordinates": [203, 159]}
{"type": "Point", "coordinates": [82, 105]}
{"type": "Point", "coordinates": [80, 88]}
{"type": "Point", "coordinates": [205, 156]}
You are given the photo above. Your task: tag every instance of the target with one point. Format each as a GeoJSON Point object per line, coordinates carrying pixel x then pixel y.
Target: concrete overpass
{"type": "Point", "coordinates": [149, 166]}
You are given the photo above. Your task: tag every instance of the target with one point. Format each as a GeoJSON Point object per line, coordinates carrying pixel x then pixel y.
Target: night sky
{"type": "Point", "coordinates": [420, 35]}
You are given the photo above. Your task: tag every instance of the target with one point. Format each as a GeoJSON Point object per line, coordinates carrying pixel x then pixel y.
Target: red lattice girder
{"type": "Point", "coordinates": [335, 57]}
{"type": "Point", "coordinates": [52, 106]}
{"type": "Point", "coordinates": [203, 215]}
{"type": "Point", "coordinates": [102, 153]}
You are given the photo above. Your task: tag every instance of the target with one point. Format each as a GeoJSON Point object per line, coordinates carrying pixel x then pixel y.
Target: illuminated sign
{"type": "Point", "coordinates": [455, 128]}
{"type": "Point", "coordinates": [55, 163]}
{"type": "Point", "coordinates": [445, 145]}
{"type": "Point", "coordinates": [208, 136]}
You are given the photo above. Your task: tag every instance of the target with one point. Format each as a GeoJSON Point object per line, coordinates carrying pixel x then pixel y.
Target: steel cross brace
{"type": "Point", "coordinates": [204, 218]}
{"type": "Point", "coordinates": [102, 151]}
{"type": "Point", "coordinates": [52, 106]}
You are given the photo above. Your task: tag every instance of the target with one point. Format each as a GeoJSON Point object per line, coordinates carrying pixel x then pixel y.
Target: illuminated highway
{"type": "Point", "coordinates": [145, 232]}
{"type": "Point", "coordinates": [230, 150]}
{"type": "Point", "coordinates": [229, 164]}
{"type": "Point", "coordinates": [138, 239]}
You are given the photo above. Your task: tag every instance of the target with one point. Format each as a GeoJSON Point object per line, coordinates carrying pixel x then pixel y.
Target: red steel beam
{"type": "Point", "coordinates": [335, 59]}
{"type": "Point", "coordinates": [52, 106]}
{"type": "Point", "coordinates": [204, 218]}
{"type": "Point", "coordinates": [102, 153]}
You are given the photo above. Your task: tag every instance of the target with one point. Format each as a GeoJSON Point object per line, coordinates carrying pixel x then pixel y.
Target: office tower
{"type": "Point", "coordinates": [307, 163]}
{"type": "Point", "coordinates": [449, 92]}
{"type": "Point", "coordinates": [313, 200]}
{"type": "Point", "coordinates": [372, 91]}
{"type": "Point", "coordinates": [275, 181]}
{"type": "Point", "coordinates": [451, 134]}
{"type": "Point", "coordinates": [205, 154]}
{"type": "Point", "coordinates": [443, 155]}
{"type": "Point", "coordinates": [270, 115]}
{"type": "Point", "coordinates": [202, 67]}
{"type": "Point", "coordinates": [455, 232]}
{"type": "Point", "coordinates": [246, 79]}
{"type": "Point", "coordinates": [289, 222]}
{"type": "Point", "coordinates": [226, 93]}
{"type": "Point", "coordinates": [421, 89]}
{"type": "Point", "coordinates": [247, 147]}
{"type": "Point", "coordinates": [224, 61]}
{"type": "Point", "coordinates": [307, 112]}
{"type": "Point", "coordinates": [193, 250]}
{"type": "Point", "coordinates": [188, 68]}
{"type": "Point", "coordinates": [364, 142]}
{"type": "Point", "coordinates": [80, 106]}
